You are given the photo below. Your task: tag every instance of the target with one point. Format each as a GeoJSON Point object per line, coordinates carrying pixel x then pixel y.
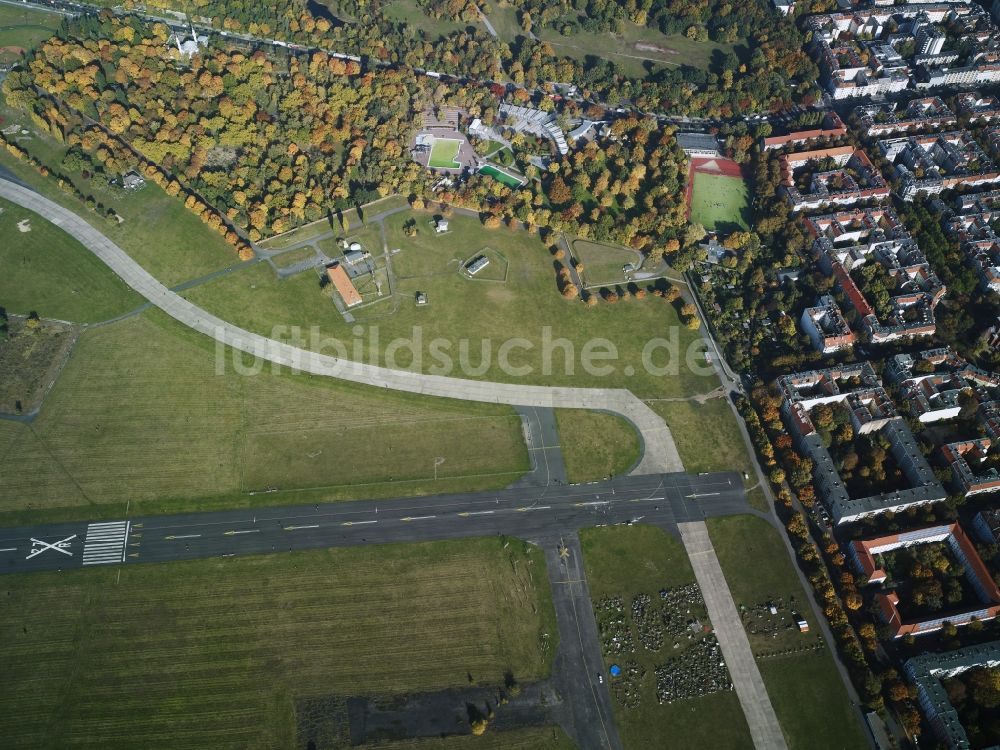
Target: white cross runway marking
{"type": "Point", "coordinates": [105, 543]}
{"type": "Point", "coordinates": [62, 545]}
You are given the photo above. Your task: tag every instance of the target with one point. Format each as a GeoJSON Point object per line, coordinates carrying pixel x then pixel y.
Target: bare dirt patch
{"type": "Point", "coordinates": [500, 294]}
{"type": "Point", "coordinates": [647, 47]}
{"type": "Point", "coordinates": [30, 360]}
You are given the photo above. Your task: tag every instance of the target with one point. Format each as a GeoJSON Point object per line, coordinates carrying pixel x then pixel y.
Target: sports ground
{"type": "Point", "coordinates": [444, 153]}
{"type": "Point", "coordinates": [717, 195]}
{"type": "Point", "coordinates": [501, 176]}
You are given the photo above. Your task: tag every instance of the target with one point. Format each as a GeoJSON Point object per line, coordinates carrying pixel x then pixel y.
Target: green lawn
{"type": "Point", "coordinates": [48, 271]}
{"type": "Point", "coordinates": [637, 50]}
{"type": "Point", "coordinates": [595, 445]}
{"type": "Point", "coordinates": [140, 414]}
{"type": "Point", "coordinates": [444, 153]}
{"type": "Point", "coordinates": [408, 12]}
{"type": "Point", "coordinates": [720, 203]}
{"type": "Point", "coordinates": [811, 703]}
{"type": "Point", "coordinates": [215, 653]}
{"type": "Point", "coordinates": [536, 738]}
{"type": "Point", "coordinates": [465, 316]}
{"type": "Point", "coordinates": [629, 560]}
{"type": "Point", "coordinates": [805, 688]}
{"type": "Point", "coordinates": [25, 27]}
{"type": "Point", "coordinates": [504, 20]}
{"type": "Point", "coordinates": [602, 264]}
{"type": "Point", "coordinates": [707, 436]}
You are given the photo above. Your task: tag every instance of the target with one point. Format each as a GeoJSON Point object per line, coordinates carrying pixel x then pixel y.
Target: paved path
{"type": "Point", "coordinates": [586, 699]}
{"type": "Point", "coordinates": [660, 452]}
{"type": "Point", "coordinates": [541, 436]}
{"type": "Point", "coordinates": [764, 727]}
{"type": "Point", "coordinates": [488, 25]}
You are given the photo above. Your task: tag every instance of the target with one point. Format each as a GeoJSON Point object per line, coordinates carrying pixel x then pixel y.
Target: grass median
{"type": "Point", "coordinates": [141, 413]}
{"type": "Point", "coordinates": [596, 445]}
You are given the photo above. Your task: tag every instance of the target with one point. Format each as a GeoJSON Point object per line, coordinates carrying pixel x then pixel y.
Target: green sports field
{"type": "Point", "coordinates": [720, 203]}
{"type": "Point", "coordinates": [501, 176]}
{"type": "Point", "coordinates": [443, 153]}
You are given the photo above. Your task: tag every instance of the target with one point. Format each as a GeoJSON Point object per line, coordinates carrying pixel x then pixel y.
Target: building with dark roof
{"type": "Point", "coordinates": [927, 672]}
{"type": "Point", "coordinates": [858, 389]}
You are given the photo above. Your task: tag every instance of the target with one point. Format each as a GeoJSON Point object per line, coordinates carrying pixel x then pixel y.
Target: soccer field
{"type": "Point", "coordinates": [443, 153]}
{"type": "Point", "coordinates": [720, 203]}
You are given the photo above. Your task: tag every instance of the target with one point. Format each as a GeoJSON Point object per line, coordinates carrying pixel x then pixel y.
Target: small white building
{"type": "Point", "coordinates": [477, 264]}
{"type": "Point", "coordinates": [441, 226]}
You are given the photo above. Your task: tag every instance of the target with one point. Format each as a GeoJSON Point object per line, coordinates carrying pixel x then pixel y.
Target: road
{"type": "Point", "coordinates": [660, 454]}
{"type": "Point", "coordinates": [541, 436]}
{"type": "Point", "coordinates": [528, 513]}
{"type": "Point", "coordinates": [578, 660]}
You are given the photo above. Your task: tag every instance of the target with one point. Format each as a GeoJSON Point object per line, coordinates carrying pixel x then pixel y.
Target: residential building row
{"type": "Point", "coordinates": [928, 672]}
{"type": "Point", "coordinates": [866, 557]}
{"type": "Point", "coordinates": [971, 222]}
{"type": "Point", "coordinates": [839, 176]}
{"type": "Point", "coordinates": [844, 242]}
{"type": "Point", "coordinates": [860, 51]}
{"type": "Point", "coordinates": [858, 389]}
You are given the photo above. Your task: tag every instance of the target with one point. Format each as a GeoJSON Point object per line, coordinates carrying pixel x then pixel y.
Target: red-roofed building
{"type": "Point", "coordinates": [343, 284]}
{"type": "Point", "coordinates": [863, 555]}
{"type": "Point", "coordinates": [833, 127]}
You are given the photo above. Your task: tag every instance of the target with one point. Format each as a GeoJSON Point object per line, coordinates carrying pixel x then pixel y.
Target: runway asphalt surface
{"type": "Point", "coordinates": [527, 513]}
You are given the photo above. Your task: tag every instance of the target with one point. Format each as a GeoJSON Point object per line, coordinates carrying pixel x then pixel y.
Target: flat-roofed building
{"type": "Point", "coordinates": [928, 672]}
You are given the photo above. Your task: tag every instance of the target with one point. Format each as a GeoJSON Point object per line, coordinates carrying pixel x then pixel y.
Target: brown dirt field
{"type": "Point", "coordinates": [30, 361]}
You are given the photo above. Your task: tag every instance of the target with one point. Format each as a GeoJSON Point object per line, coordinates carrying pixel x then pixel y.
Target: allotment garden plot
{"type": "Point", "coordinates": [663, 663]}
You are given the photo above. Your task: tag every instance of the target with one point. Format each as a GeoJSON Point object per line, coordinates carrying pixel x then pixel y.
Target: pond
{"type": "Point", "coordinates": [319, 10]}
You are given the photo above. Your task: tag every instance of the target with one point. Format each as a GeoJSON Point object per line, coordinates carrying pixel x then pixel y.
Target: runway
{"type": "Point", "coordinates": [526, 513]}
